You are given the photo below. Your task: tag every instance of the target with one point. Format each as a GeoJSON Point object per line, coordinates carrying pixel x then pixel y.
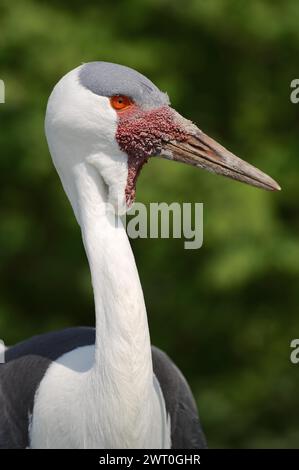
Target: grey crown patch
{"type": "Point", "coordinates": [106, 79]}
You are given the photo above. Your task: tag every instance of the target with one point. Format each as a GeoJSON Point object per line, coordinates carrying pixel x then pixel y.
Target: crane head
{"type": "Point", "coordinates": [116, 119]}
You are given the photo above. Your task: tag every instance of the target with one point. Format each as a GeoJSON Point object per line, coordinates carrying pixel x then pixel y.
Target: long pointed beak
{"type": "Point", "coordinates": [201, 151]}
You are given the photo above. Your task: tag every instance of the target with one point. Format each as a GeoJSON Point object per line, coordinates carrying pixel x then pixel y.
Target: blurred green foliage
{"type": "Point", "coordinates": [227, 312]}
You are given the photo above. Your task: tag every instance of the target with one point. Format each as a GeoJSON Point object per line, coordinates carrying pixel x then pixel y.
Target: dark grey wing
{"type": "Point", "coordinates": [186, 431]}
{"type": "Point", "coordinates": [25, 365]}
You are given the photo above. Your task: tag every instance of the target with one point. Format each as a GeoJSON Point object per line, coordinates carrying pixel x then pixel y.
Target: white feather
{"type": "Point", "coordinates": [104, 396]}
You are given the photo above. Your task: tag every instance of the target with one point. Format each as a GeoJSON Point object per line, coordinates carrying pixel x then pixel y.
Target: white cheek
{"type": "Point", "coordinates": [85, 116]}
{"type": "Point", "coordinates": [110, 161]}
{"type": "Point", "coordinates": [85, 125]}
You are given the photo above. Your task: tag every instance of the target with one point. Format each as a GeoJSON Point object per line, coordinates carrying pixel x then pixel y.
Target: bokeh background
{"type": "Point", "coordinates": [225, 313]}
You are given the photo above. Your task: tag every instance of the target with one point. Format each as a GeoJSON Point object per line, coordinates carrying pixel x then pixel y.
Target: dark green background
{"type": "Point", "coordinates": [226, 313]}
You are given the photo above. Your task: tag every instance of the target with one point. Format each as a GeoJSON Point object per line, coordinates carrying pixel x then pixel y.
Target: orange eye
{"type": "Point", "coordinates": [120, 102]}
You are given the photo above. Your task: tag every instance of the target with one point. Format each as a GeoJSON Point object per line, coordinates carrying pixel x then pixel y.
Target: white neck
{"type": "Point", "coordinates": [122, 336]}
{"type": "Point", "coordinates": [111, 399]}
{"type": "Point", "coordinates": [122, 373]}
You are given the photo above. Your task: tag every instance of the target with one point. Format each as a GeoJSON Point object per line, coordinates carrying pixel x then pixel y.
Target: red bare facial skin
{"type": "Point", "coordinates": [141, 134]}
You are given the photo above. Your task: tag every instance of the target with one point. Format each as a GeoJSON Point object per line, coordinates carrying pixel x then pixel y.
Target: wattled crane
{"type": "Point", "coordinates": [107, 387]}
